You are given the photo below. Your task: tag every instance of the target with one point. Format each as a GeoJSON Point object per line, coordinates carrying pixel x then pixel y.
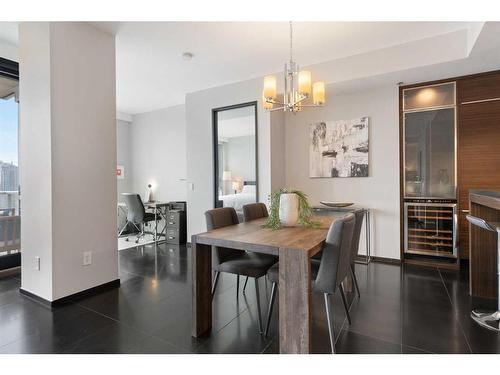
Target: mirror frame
{"type": "Point", "coordinates": [215, 142]}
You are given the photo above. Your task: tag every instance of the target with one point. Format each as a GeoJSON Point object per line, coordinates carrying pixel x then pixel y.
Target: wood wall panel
{"type": "Point", "coordinates": [478, 157]}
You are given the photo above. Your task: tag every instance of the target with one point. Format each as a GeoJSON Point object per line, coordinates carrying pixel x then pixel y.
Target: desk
{"type": "Point", "coordinates": [294, 246]}
{"type": "Point", "coordinates": [160, 209]}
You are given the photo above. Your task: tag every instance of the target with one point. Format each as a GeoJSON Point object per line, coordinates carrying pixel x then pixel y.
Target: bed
{"type": "Point", "coordinates": [238, 200]}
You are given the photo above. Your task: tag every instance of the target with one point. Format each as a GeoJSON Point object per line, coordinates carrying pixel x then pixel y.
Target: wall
{"type": "Point", "coordinates": [240, 157]}
{"type": "Point", "coordinates": [379, 191]}
{"type": "Point", "coordinates": [123, 154]}
{"type": "Point", "coordinates": [157, 154]}
{"type": "Point", "coordinates": [199, 107]}
{"type": "Point", "coordinates": [68, 156]}
{"type": "Point", "coordinates": [35, 147]}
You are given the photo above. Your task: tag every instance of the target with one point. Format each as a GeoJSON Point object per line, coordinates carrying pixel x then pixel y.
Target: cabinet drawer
{"type": "Point", "coordinates": [173, 235]}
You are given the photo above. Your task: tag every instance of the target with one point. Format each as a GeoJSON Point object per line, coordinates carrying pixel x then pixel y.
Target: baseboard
{"type": "Point", "coordinates": [72, 297]}
{"type": "Point", "coordinates": [10, 271]}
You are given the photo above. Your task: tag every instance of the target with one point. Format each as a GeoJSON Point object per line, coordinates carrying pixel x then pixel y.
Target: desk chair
{"type": "Point", "coordinates": [136, 214]}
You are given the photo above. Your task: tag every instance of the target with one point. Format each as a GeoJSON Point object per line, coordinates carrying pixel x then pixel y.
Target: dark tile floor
{"type": "Point", "coordinates": [401, 310]}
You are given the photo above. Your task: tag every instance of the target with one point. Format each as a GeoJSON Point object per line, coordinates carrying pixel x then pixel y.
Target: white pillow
{"type": "Point", "coordinates": [248, 189]}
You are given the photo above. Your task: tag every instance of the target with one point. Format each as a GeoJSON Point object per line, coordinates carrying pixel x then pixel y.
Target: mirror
{"type": "Point", "coordinates": [235, 156]}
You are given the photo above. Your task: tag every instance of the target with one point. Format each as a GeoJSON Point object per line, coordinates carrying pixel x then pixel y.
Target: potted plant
{"type": "Point", "coordinates": [289, 208]}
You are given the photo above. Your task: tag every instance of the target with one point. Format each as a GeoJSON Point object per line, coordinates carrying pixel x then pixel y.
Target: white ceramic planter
{"type": "Point", "coordinates": [289, 209]}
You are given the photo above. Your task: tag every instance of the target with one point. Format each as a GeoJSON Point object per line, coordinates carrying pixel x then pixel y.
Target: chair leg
{"type": "Point", "coordinates": [329, 320]}
{"type": "Point", "coordinates": [245, 285]}
{"type": "Point", "coordinates": [257, 295]}
{"type": "Point", "coordinates": [270, 308]}
{"type": "Point", "coordinates": [237, 286]}
{"type": "Point", "coordinates": [355, 280]}
{"type": "Point", "coordinates": [214, 284]}
{"type": "Point", "coordinates": [344, 301]}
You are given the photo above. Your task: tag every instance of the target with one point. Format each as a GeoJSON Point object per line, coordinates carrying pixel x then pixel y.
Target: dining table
{"type": "Point", "coordinates": [294, 245]}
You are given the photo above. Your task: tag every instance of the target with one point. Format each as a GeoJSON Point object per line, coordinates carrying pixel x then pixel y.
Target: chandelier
{"type": "Point", "coordinates": [298, 88]}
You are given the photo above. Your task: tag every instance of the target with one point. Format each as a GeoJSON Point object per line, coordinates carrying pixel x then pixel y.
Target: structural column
{"type": "Point", "coordinates": [67, 158]}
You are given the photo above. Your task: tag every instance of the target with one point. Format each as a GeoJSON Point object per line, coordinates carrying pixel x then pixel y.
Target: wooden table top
{"type": "Point", "coordinates": [253, 236]}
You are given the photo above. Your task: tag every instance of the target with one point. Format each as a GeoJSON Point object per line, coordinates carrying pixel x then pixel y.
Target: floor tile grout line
{"type": "Point", "coordinates": [372, 337]}
{"type": "Point", "coordinates": [126, 325]}
{"type": "Point", "coordinates": [422, 350]}
{"type": "Point", "coordinates": [455, 314]}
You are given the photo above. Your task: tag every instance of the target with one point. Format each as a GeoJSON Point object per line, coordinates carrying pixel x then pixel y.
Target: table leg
{"type": "Point", "coordinates": [201, 257]}
{"type": "Point", "coordinates": [294, 301]}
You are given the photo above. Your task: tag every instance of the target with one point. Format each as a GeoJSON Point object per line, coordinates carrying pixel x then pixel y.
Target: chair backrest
{"type": "Point", "coordinates": [336, 258]}
{"type": "Point", "coordinates": [254, 211]}
{"type": "Point", "coordinates": [359, 216]}
{"type": "Point", "coordinates": [219, 218]}
{"type": "Point", "coordinates": [135, 208]}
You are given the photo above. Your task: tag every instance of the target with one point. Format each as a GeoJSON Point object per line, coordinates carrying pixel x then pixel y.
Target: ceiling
{"type": "Point", "coordinates": [152, 74]}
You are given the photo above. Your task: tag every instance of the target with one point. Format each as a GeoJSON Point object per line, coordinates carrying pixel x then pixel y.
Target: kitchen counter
{"type": "Point", "coordinates": [484, 204]}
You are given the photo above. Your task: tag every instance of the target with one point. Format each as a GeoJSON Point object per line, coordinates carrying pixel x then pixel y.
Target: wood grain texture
{"type": "Point", "coordinates": [253, 236]}
{"type": "Point", "coordinates": [481, 87]}
{"type": "Point", "coordinates": [478, 158]}
{"type": "Point", "coordinates": [294, 301]}
{"type": "Point", "coordinates": [201, 258]}
{"type": "Point", "coordinates": [483, 255]}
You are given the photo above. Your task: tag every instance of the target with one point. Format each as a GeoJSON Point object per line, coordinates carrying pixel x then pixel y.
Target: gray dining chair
{"type": "Point", "coordinates": [359, 215]}
{"type": "Point", "coordinates": [233, 261]}
{"type": "Point", "coordinates": [330, 271]}
{"type": "Point", "coordinates": [136, 214]}
{"type": "Point", "coordinates": [254, 211]}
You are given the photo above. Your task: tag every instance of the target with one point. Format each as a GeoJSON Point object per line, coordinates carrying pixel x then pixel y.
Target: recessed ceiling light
{"type": "Point", "coordinates": [187, 56]}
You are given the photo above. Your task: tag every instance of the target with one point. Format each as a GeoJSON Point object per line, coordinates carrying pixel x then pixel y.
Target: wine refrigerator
{"type": "Point", "coordinates": [430, 193]}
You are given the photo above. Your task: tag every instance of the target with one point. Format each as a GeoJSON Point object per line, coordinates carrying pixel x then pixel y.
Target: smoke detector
{"type": "Point", "coordinates": [186, 56]}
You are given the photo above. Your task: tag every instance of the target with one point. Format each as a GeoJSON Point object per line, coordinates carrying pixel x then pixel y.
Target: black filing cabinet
{"type": "Point", "coordinates": [176, 223]}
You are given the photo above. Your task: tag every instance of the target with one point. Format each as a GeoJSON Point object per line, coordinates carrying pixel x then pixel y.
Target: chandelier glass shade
{"type": "Point", "coordinates": [298, 88]}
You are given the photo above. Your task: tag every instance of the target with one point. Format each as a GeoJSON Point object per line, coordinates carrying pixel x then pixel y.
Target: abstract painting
{"type": "Point", "coordinates": [339, 148]}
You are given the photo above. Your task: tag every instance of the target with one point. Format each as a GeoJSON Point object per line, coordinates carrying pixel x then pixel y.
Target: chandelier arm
{"type": "Point", "coordinates": [272, 101]}
{"type": "Point", "coordinates": [277, 109]}
{"type": "Point", "coordinates": [312, 105]}
{"type": "Point", "coordinates": [302, 98]}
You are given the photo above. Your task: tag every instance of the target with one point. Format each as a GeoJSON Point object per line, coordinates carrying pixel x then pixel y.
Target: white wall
{"type": "Point", "coordinates": [379, 191]}
{"type": "Point", "coordinates": [240, 157]}
{"type": "Point", "coordinates": [157, 142]}
{"type": "Point", "coordinates": [68, 155]}
{"type": "Point", "coordinates": [199, 107]}
{"type": "Point", "coordinates": [123, 154]}
{"type": "Point", "coordinates": [35, 165]}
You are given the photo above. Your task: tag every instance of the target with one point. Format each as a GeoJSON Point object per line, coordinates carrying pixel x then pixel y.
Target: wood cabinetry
{"type": "Point", "coordinates": [478, 144]}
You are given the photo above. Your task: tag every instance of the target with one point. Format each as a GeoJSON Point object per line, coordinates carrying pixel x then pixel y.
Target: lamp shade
{"type": "Point", "coordinates": [305, 82]}
{"type": "Point", "coordinates": [226, 176]}
{"type": "Point", "coordinates": [319, 93]}
{"type": "Point", "coordinates": [270, 87]}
